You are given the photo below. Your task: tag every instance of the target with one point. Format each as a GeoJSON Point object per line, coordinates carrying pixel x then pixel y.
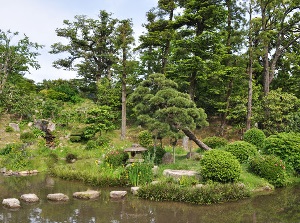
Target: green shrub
{"type": "Point", "coordinates": [116, 158]}
{"type": "Point", "coordinates": [145, 138]}
{"type": "Point", "coordinates": [17, 158]}
{"type": "Point", "coordinates": [215, 142]}
{"type": "Point", "coordinates": [206, 194]}
{"type": "Point", "coordinates": [286, 146]}
{"type": "Point", "coordinates": [91, 145]}
{"type": "Point", "coordinates": [75, 138]}
{"type": "Point", "coordinates": [9, 147]}
{"type": "Point", "coordinates": [102, 141]}
{"type": "Point", "coordinates": [139, 174]}
{"type": "Point", "coordinates": [9, 129]}
{"type": "Point", "coordinates": [96, 144]}
{"type": "Point", "coordinates": [38, 133]}
{"type": "Point", "coordinates": [154, 154]}
{"type": "Point", "coordinates": [269, 167]}
{"type": "Point", "coordinates": [255, 136]}
{"type": "Point", "coordinates": [27, 137]}
{"type": "Point", "coordinates": [241, 150]}
{"type": "Point", "coordinates": [220, 166]}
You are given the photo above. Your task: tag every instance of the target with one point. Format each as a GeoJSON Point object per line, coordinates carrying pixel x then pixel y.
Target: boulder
{"type": "Point", "coordinates": [11, 203]}
{"type": "Point", "coordinates": [89, 194]}
{"type": "Point", "coordinates": [134, 190]}
{"type": "Point", "coordinates": [117, 194]}
{"type": "Point", "coordinates": [30, 198]}
{"type": "Point", "coordinates": [177, 174]}
{"type": "Point", "coordinates": [15, 127]}
{"type": "Point", "coordinates": [167, 158]}
{"type": "Point", "coordinates": [57, 197]}
{"type": "Point", "coordinates": [155, 170]}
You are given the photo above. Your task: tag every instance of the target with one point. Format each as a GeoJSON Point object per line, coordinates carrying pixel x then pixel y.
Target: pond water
{"type": "Point", "coordinates": [280, 206]}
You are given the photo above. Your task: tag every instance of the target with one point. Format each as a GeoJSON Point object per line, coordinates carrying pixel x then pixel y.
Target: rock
{"type": "Point", "coordinates": [57, 197]}
{"type": "Point", "coordinates": [89, 194]}
{"type": "Point", "coordinates": [185, 142]}
{"type": "Point", "coordinates": [199, 185]}
{"type": "Point", "coordinates": [30, 198]}
{"type": "Point", "coordinates": [134, 190]}
{"type": "Point", "coordinates": [11, 203]}
{"type": "Point", "coordinates": [117, 194]}
{"type": "Point", "coordinates": [15, 127]}
{"type": "Point", "coordinates": [44, 125]}
{"type": "Point", "coordinates": [155, 170]}
{"type": "Point", "coordinates": [167, 158]}
{"type": "Point", "coordinates": [177, 174]}
{"type": "Point", "coordinates": [155, 182]}
{"type": "Point", "coordinates": [3, 170]}
{"type": "Point", "coordinates": [24, 173]}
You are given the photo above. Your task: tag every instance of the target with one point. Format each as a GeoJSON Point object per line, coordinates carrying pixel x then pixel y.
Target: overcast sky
{"type": "Point", "coordinates": [38, 19]}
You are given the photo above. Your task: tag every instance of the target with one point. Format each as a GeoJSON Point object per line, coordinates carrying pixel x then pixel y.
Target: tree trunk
{"type": "Point", "coordinates": [250, 75]}
{"type": "Point", "coordinates": [191, 136]}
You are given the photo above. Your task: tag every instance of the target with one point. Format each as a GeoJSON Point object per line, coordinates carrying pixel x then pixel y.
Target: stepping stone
{"type": "Point", "coordinates": [117, 194]}
{"type": "Point", "coordinates": [30, 198]}
{"type": "Point", "coordinates": [11, 203]}
{"type": "Point", "coordinates": [89, 194]}
{"type": "Point", "coordinates": [57, 197]}
{"type": "Point", "coordinates": [134, 190]}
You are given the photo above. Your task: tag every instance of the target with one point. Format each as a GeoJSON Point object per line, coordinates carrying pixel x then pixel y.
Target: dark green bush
{"type": "Point", "coordinates": [241, 150]}
{"type": "Point", "coordinates": [70, 158]}
{"type": "Point", "coordinates": [145, 138]}
{"type": "Point", "coordinates": [116, 158]}
{"type": "Point", "coordinates": [9, 147]}
{"type": "Point", "coordinates": [269, 167]}
{"type": "Point", "coordinates": [154, 154]}
{"type": "Point", "coordinates": [9, 129]}
{"type": "Point", "coordinates": [91, 145]}
{"type": "Point", "coordinates": [75, 138]}
{"type": "Point", "coordinates": [215, 142]}
{"type": "Point", "coordinates": [206, 194]}
{"type": "Point", "coordinates": [255, 136]}
{"type": "Point", "coordinates": [220, 166]}
{"type": "Point", "coordinates": [27, 137]}
{"type": "Point", "coordinates": [286, 146]}
{"type": "Point", "coordinates": [102, 141]}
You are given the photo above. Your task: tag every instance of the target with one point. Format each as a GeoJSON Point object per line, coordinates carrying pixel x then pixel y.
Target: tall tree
{"type": "Point", "coordinates": [16, 58]}
{"type": "Point", "coordinates": [278, 30]}
{"type": "Point", "coordinates": [155, 45]}
{"type": "Point", "coordinates": [124, 42]}
{"type": "Point", "coordinates": [165, 110]}
{"type": "Point", "coordinates": [91, 47]}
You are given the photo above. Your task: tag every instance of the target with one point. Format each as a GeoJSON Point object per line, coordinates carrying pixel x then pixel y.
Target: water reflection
{"type": "Point", "coordinates": [280, 206]}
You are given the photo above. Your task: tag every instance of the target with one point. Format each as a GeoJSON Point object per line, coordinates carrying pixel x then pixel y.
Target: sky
{"type": "Point", "coordinates": [39, 19]}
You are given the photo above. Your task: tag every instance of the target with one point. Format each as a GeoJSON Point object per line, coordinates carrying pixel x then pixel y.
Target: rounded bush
{"type": "Point", "coordinates": [241, 150]}
{"type": "Point", "coordinates": [116, 158]}
{"type": "Point", "coordinates": [286, 146]}
{"type": "Point", "coordinates": [27, 137]}
{"type": "Point", "coordinates": [220, 166]}
{"type": "Point", "coordinates": [269, 167]}
{"type": "Point", "coordinates": [91, 145]}
{"type": "Point", "coordinates": [145, 138]}
{"type": "Point", "coordinates": [255, 136]}
{"type": "Point", "coordinates": [215, 142]}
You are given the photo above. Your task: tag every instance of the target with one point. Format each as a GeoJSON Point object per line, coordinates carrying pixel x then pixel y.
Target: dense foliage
{"type": "Point", "coordinates": [242, 150]}
{"type": "Point", "coordinates": [255, 136]}
{"type": "Point", "coordinates": [286, 146]}
{"type": "Point", "coordinates": [206, 194]}
{"type": "Point", "coordinates": [271, 168]}
{"type": "Point", "coordinates": [220, 166]}
{"type": "Point", "coordinates": [215, 142]}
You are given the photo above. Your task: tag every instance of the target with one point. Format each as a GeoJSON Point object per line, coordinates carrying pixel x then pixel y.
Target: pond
{"type": "Point", "coordinates": [280, 206]}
